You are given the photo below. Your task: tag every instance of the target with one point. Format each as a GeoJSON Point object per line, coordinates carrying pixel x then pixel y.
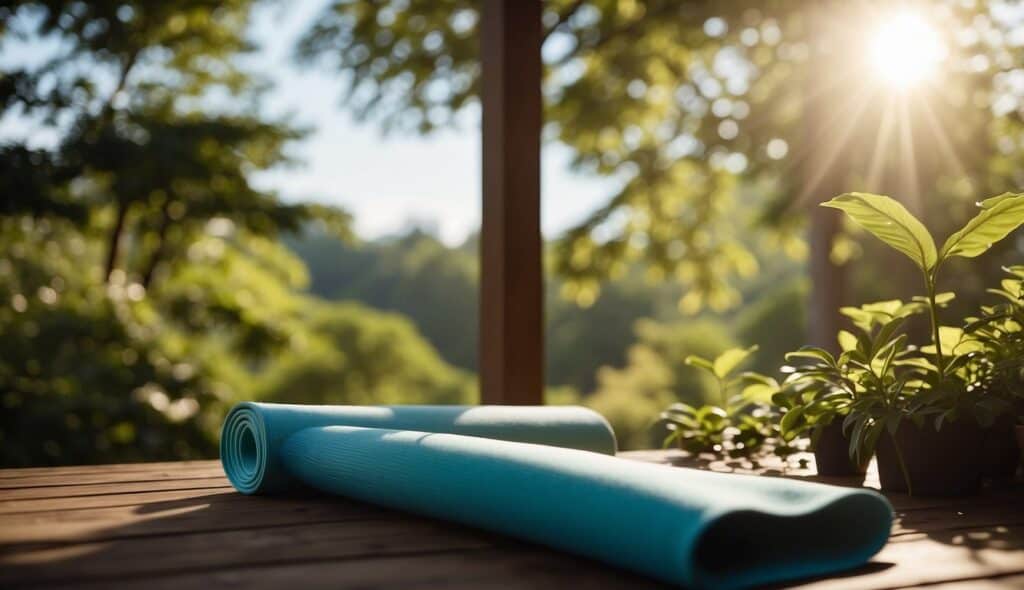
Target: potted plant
{"type": "Point", "coordinates": [999, 329]}
{"type": "Point", "coordinates": [934, 388]}
{"type": "Point", "coordinates": [739, 424]}
{"type": "Point", "coordinates": [822, 390]}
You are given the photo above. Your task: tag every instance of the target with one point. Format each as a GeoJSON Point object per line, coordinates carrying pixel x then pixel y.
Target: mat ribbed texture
{"type": "Point", "coordinates": [688, 527]}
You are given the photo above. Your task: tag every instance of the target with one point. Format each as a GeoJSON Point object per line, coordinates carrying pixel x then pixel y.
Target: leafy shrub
{"type": "Point", "coordinates": [738, 423]}
{"type": "Point", "coordinates": [879, 379]}
{"type": "Point", "coordinates": [632, 396]}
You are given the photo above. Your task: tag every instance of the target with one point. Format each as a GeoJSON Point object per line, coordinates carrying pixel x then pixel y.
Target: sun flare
{"type": "Point", "coordinates": [905, 50]}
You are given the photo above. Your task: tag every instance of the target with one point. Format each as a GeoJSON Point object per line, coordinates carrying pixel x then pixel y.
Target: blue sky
{"type": "Point", "coordinates": [388, 183]}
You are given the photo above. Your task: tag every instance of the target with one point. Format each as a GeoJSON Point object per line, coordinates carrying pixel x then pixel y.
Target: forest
{"type": "Point", "coordinates": [147, 283]}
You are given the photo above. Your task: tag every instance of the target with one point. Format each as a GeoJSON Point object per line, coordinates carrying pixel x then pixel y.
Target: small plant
{"type": "Point", "coordinates": [946, 364]}
{"type": "Point", "coordinates": [739, 424]}
{"type": "Point", "coordinates": [868, 386]}
{"type": "Point", "coordinates": [999, 331]}
{"type": "Point", "coordinates": [880, 380]}
{"type": "Point", "coordinates": [890, 222]}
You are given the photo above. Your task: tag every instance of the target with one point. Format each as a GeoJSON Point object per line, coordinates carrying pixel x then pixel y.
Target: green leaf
{"type": "Point", "coordinates": [726, 362]}
{"type": "Point", "coordinates": [847, 341]}
{"type": "Point", "coordinates": [758, 392]}
{"type": "Point", "coordinates": [790, 419]}
{"type": "Point", "coordinates": [993, 201]}
{"type": "Point", "coordinates": [703, 363]}
{"type": "Point", "coordinates": [890, 222]}
{"type": "Point", "coordinates": [884, 336]}
{"type": "Point", "coordinates": [814, 353]}
{"type": "Point", "coordinates": [999, 216]}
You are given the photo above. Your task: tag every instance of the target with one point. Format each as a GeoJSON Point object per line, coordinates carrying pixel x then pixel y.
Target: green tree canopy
{"type": "Point", "coordinates": [142, 281]}
{"type": "Point", "coordinates": [351, 354]}
{"type": "Point", "coordinates": [701, 111]}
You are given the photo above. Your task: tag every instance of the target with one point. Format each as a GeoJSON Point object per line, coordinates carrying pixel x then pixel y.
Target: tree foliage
{"type": "Point", "coordinates": [698, 110]}
{"type": "Point", "coordinates": [350, 354]}
{"type": "Point", "coordinates": [143, 287]}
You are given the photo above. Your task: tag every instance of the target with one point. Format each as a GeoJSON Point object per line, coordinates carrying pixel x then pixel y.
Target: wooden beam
{"type": "Point", "coordinates": [824, 170]}
{"type": "Point", "coordinates": [511, 297]}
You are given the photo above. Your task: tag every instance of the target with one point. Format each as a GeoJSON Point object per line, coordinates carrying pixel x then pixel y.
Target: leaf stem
{"type": "Point", "coordinates": [933, 314]}
{"type": "Point", "coordinates": [903, 465]}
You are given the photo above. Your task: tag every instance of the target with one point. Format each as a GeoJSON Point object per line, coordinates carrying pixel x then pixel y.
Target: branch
{"type": "Point", "coordinates": [126, 67]}
{"type": "Point", "coordinates": [158, 253]}
{"type": "Point", "coordinates": [114, 240]}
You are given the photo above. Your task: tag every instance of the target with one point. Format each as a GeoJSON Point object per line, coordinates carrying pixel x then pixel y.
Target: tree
{"type": "Point", "coordinates": [142, 281]}
{"type": "Point", "coordinates": [436, 286]}
{"type": "Point", "coordinates": [348, 353]}
{"type": "Point", "coordinates": [714, 116]}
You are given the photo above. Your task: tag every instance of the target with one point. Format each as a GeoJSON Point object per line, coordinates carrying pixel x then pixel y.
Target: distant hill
{"type": "Point", "coordinates": [436, 287]}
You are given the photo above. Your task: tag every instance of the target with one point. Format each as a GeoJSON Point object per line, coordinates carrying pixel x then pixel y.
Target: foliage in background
{"type": "Point", "coordinates": [436, 287]}
{"type": "Point", "coordinates": [654, 377]}
{"type": "Point", "coordinates": [697, 109]}
{"type": "Point", "coordinates": [347, 353]}
{"type": "Point", "coordinates": [143, 286]}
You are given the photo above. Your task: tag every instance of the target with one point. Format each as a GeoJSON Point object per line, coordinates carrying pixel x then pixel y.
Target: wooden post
{"type": "Point", "coordinates": [511, 296]}
{"type": "Point", "coordinates": [824, 175]}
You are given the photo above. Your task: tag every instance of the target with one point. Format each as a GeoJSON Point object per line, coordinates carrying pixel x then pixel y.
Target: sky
{"type": "Point", "coordinates": [387, 183]}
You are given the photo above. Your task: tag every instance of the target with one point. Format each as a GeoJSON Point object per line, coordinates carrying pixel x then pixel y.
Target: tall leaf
{"type": "Point", "coordinates": [999, 216]}
{"type": "Point", "coordinates": [890, 222]}
{"type": "Point", "coordinates": [730, 359]}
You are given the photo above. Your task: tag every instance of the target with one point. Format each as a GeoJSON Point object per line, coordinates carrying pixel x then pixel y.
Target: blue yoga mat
{"type": "Point", "coordinates": [548, 475]}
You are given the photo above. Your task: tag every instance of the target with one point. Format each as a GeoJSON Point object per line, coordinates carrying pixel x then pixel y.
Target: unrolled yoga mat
{"type": "Point", "coordinates": [555, 482]}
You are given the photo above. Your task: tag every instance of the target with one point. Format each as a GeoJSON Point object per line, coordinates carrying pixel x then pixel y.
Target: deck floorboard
{"type": "Point", "coordinates": [174, 525]}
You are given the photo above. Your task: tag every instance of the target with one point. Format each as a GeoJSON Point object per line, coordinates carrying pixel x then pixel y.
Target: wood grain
{"type": "Point", "coordinates": [171, 525]}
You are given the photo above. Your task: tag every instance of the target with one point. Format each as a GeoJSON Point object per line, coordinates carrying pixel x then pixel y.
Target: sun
{"type": "Point", "coordinates": [905, 50]}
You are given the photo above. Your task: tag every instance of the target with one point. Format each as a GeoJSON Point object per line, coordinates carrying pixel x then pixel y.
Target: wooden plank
{"type": "Point", "coordinates": [164, 555]}
{"type": "Point", "coordinates": [99, 489]}
{"type": "Point", "coordinates": [931, 560]}
{"type": "Point", "coordinates": [136, 499]}
{"type": "Point", "coordinates": [902, 565]}
{"type": "Point", "coordinates": [1011, 582]}
{"type": "Point", "coordinates": [512, 566]}
{"type": "Point", "coordinates": [99, 476]}
{"type": "Point", "coordinates": [955, 520]}
{"type": "Point", "coordinates": [10, 473]}
{"type": "Point", "coordinates": [215, 512]}
{"type": "Point", "coordinates": [125, 535]}
{"type": "Point", "coordinates": [511, 285]}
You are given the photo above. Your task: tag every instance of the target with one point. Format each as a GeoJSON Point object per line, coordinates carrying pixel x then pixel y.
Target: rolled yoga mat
{"type": "Point", "coordinates": [688, 527]}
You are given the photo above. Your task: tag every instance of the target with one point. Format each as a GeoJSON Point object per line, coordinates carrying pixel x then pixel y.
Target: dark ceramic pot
{"type": "Point", "coordinates": [832, 452]}
{"type": "Point", "coordinates": [939, 463]}
{"type": "Point", "coordinates": [1020, 440]}
{"type": "Point", "coordinates": [1000, 453]}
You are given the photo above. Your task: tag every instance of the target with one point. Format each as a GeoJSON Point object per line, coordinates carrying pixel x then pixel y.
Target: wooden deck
{"type": "Point", "coordinates": [180, 525]}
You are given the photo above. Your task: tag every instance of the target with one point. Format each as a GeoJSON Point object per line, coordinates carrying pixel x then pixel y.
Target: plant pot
{"type": "Point", "coordinates": [938, 463]}
{"type": "Point", "coordinates": [1020, 440]}
{"type": "Point", "coordinates": [832, 452]}
{"type": "Point", "coordinates": [1000, 453]}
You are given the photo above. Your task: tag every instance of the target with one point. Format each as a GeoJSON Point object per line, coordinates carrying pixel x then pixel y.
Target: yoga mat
{"type": "Point", "coordinates": [254, 432]}
{"type": "Point", "coordinates": [687, 527]}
